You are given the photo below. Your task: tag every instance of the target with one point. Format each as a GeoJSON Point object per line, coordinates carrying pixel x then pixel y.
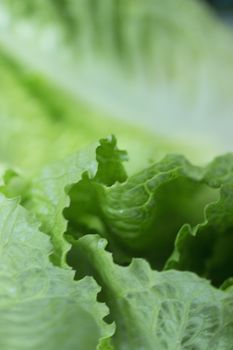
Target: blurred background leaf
{"type": "Point", "coordinates": [72, 70]}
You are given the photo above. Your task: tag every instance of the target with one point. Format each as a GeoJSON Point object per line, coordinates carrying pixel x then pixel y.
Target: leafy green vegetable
{"type": "Point", "coordinates": [171, 202]}
{"type": "Point", "coordinates": [206, 247]}
{"type": "Point", "coordinates": [41, 305]}
{"type": "Point", "coordinates": [160, 310]}
{"type": "Point", "coordinates": [49, 191]}
{"type": "Point", "coordinates": [89, 192]}
{"type": "Point", "coordinates": [96, 252]}
{"type": "Point", "coordinates": [122, 59]}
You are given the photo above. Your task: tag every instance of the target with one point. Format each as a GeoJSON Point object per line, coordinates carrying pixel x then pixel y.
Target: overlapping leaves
{"type": "Point", "coordinates": [174, 214]}
{"type": "Point", "coordinates": [41, 306]}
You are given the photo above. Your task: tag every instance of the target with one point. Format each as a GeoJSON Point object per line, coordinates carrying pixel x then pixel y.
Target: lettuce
{"type": "Point", "coordinates": [100, 247]}
{"type": "Point", "coordinates": [41, 305]}
{"type": "Point", "coordinates": [160, 310]}
{"type": "Point", "coordinates": [168, 214]}
{"type": "Point", "coordinates": [116, 60]}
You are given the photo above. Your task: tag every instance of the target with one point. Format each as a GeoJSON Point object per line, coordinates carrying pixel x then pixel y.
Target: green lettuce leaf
{"type": "Point", "coordinates": [148, 63]}
{"type": "Point", "coordinates": [72, 72]}
{"type": "Point", "coordinates": [160, 310]}
{"type": "Point", "coordinates": [41, 306]}
{"type": "Point", "coordinates": [49, 192]}
{"type": "Point", "coordinates": [90, 192]}
{"type": "Point", "coordinates": [206, 247]}
{"type": "Point", "coordinates": [133, 215]}
{"type": "Point", "coordinates": [170, 203]}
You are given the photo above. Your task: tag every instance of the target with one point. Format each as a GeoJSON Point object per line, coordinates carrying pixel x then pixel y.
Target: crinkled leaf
{"type": "Point", "coordinates": [143, 215]}
{"type": "Point", "coordinates": [110, 158]}
{"type": "Point", "coordinates": [49, 191]}
{"type": "Point", "coordinates": [160, 310]}
{"type": "Point", "coordinates": [135, 214]}
{"type": "Point", "coordinates": [207, 247]}
{"type": "Point", "coordinates": [41, 306]}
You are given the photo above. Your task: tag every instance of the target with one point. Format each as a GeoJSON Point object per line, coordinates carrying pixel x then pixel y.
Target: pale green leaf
{"type": "Point", "coordinates": [146, 62]}
{"type": "Point", "coordinates": [41, 306]}
{"type": "Point", "coordinates": [160, 310]}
